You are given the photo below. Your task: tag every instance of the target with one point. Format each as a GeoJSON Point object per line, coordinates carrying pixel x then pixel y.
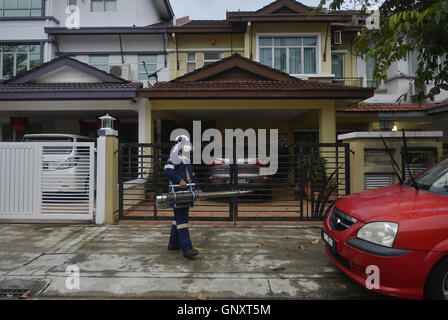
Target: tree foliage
{"type": "Point", "coordinates": [406, 26]}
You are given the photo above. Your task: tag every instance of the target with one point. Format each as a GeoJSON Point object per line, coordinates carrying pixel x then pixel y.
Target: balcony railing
{"type": "Point", "coordinates": [354, 82]}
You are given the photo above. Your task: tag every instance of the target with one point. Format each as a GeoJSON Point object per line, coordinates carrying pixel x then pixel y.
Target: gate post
{"type": "Point", "coordinates": [107, 176]}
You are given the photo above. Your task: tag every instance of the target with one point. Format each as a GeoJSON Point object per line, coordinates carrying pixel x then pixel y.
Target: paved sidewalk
{"type": "Point", "coordinates": [133, 262]}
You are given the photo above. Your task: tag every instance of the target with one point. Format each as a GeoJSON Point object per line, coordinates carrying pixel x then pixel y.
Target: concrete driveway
{"type": "Point", "coordinates": [133, 262]}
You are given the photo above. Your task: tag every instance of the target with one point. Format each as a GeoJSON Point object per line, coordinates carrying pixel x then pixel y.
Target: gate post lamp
{"type": "Point", "coordinates": [107, 126]}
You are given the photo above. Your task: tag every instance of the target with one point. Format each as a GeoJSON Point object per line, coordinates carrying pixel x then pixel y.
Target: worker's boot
{"type": "Point", "coordinates": [173, 247]}
{"type": "Point", "coordinates": [190, 253]}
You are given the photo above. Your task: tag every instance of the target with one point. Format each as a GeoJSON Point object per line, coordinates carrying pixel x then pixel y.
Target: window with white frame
{"type": "Point", "coordinates": [104, 5]}
{"type": "Point", "coordinates": [413, 62]}
{"type": "Point", "coordinates": [100, 62]}
{"type": "Point", "coordinates": [294, 55]}
{"type": "Point", "coordinates": [370, 66]}
{"type": "Point", "coordinates": [212, 57]}
{"type": "Point", "coordinates": [146, 66]}
{"type": "Point", "coordinates": [20, 8]}
{"type": "Point", "coordinates": [191, 62]}
{"type": "Point", "coordinates": [337, 65]}
{"type": "Point", "coordinates": [19, 58]}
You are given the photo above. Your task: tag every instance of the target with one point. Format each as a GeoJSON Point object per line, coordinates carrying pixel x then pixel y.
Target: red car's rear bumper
{"type": "Point", "coordinates": [402, 276]}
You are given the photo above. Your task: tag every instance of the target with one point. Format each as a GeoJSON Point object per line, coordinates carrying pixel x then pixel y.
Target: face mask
{"type": "Point", "coordinates": [187, 148]}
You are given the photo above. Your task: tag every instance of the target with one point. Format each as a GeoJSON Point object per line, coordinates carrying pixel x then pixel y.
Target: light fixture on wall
{"type": "Point", "coordinates": [395, 128]}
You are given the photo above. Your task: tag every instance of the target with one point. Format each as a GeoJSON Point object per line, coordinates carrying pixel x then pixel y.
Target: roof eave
{"type": "Point", "coordinates": [219, 93]}
{"type": "Point", "coordinates": [127, 94]}
{"type": "Point", "coordinates": [289, 18]}
{"type": "Point", "coordinates": [104, 30]}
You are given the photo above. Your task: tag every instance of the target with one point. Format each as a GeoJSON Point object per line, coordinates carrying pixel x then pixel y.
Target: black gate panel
{"type": "Point", "coordinates": [309, 179]}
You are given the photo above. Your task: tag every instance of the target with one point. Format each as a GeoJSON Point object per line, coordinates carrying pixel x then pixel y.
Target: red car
{"type": "Point", "coordinates": [401, 229]}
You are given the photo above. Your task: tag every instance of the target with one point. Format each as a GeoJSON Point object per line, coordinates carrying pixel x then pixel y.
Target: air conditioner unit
{"type": "Point", "coordinates": [122, 71]}
{"type": "Point", "coordinates": [337, 37]}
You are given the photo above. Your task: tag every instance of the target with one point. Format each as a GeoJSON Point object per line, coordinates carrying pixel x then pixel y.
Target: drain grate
{"type": "Point", "coordinates": [14, 293]}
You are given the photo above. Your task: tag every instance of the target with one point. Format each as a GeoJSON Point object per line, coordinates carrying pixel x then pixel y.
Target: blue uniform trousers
{"type": "Point", "coordinates": [180, 235]}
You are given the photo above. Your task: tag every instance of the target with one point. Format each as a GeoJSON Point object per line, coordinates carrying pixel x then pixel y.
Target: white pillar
{"type": "Point", "coordinates": [106, 176]}
{"type": "Point", "coordinates": [101, 181]}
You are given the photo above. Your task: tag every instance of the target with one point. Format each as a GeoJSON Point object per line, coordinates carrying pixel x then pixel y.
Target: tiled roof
{"type": "Point", "coordinates": [248, 85]}
{"type": "Point", "coordinates": [234, 56]}
{"type": "Point", "coordinates": [28, 87]}
{"type": "Point", "coordinates": [390, 107]}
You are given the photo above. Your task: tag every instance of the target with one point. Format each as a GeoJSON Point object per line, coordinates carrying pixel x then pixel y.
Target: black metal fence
{"type": "Point", "coordinates": [309, 179]}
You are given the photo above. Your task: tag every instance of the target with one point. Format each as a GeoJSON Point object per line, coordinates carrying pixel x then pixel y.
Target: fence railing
{"type": "Point", "coordinates": [309, 179]}
{"type": "Point", "coordinates": [354, 81]}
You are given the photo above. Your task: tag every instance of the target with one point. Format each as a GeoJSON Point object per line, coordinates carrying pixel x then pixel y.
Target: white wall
{"type": "Point", "coordinates": [398, 83]}
{"type": "Point", "coordinates": [129, 13]}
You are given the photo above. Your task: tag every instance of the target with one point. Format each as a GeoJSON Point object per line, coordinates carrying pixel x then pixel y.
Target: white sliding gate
{"type": "Point", "coordinates": [47, 181]}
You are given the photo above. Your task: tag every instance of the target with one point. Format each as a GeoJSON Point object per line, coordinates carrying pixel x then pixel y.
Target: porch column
{"type": "Point", "coordinates": [107, 177]}
{"type": "Point", "coordinates": [327, 124]}
{"type": "Point", "coordinates": [145, 122]}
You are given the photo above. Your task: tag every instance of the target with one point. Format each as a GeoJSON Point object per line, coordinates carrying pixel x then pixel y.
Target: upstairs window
{"type": "Point", "coordinates": [212, 57]}
{"type": "Point", "coordinates": [293, 55]}
{"type": "Point", "coordinates": [337, 65]}
{"type": "Point", "coordinates": [151, 66]}
{"type": "Point", "coordinates": [370, 66]}
{"type": "Point", "coordinates": [21, 8]}
{"type": "Point", "coordinates": [16, 59]}
{"type": "Point", "coordinates": [100, 62]}
{"type": "Point", "coordinates": [104, 5]}
{"type": "Point", "coordinates": [191, 62]}
{"type": "Point", "coordinates": [413, 62]}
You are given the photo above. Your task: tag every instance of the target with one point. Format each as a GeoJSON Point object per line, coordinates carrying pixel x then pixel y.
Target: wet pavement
{"type": "Point", "coordinates": [133, 262]}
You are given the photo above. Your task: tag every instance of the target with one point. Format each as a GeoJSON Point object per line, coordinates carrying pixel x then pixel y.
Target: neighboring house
{"type": "Point", "coordinates": [115, 36]}
{"type": "Point", "coordinates": [41, 100]}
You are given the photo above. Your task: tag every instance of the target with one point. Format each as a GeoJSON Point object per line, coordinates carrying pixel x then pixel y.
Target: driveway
{"type": "Point", "coordinates": [133, 262]}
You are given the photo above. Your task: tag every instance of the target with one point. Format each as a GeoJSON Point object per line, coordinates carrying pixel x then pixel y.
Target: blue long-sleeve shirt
{"type": "Point", "coordinates": [177, 172]}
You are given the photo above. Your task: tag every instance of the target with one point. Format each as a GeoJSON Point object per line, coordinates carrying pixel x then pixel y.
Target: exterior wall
{"type": "Point", "coordinates": [359, 166]}
{"type": "Point", "coordinates": [349, 59]}
{"type": "Point", "coordinates": [200, 43]}
{"type": "Point", "coordinates": [133, 43]}
{"type": "Point", "coordinates": [129, 13]}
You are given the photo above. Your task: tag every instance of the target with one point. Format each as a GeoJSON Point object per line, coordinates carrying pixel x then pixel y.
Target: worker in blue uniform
{"type": "Point", "coordinates": [179, 171]}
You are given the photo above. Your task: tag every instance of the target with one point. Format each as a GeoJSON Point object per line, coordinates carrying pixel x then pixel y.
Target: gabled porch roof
{"type": "Point", "coordinates": [241, 78]}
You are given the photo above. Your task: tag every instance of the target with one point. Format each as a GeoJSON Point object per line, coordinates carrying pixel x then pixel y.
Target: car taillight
{"type": "Point", "coordinates": [259, 164]}
{"type": "Point", "coordinates": [216, 163]}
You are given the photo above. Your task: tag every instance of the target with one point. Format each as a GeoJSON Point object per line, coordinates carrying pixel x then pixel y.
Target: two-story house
{"type": "Point", "coordinates": [124, 40]}
{"type": "Point", "coordinates": [271, 68]}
